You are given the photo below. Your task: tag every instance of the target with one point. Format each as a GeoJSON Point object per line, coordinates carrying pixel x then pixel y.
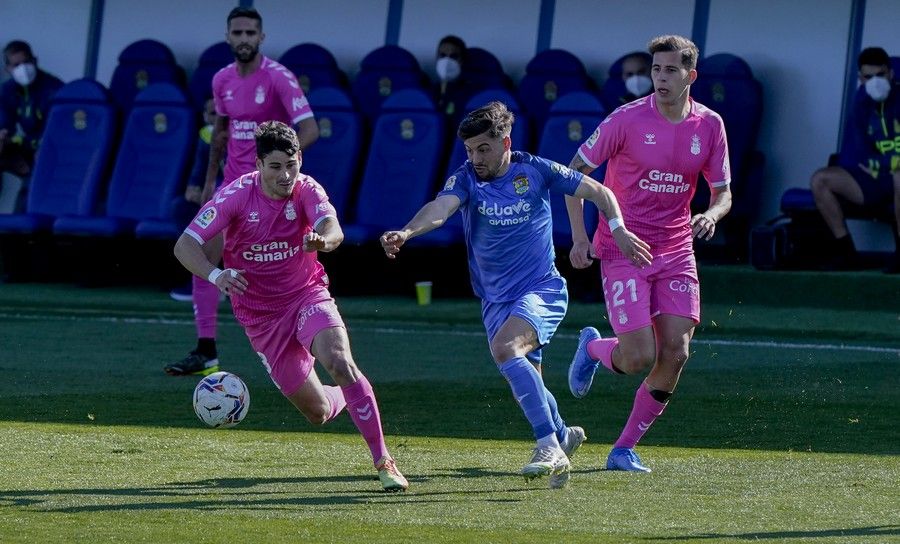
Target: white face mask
{"type": "Point", "coordinates": [878, 88]}
{"type": "Point", "coordinates": [24, 74]}
{"type": "Point", "coordinates": [638, 85]}
{"type": "Point", "coordinates": [447, 69]}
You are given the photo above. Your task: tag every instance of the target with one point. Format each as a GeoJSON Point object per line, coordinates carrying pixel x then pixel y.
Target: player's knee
{"type": "Point", "coordinates": [819, 181]}
{"type": "Point", "coordinates": [339, 364]}
{"type": "Point", "coordinates": [675, 355]}
{"type": "Point", "coordinates": [502, 351]}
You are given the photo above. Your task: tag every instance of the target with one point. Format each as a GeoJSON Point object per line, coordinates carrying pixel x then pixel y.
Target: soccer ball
{"type": "Point", "coordinates": [221, 400]}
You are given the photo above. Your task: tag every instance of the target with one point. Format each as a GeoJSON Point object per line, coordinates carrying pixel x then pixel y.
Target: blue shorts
{"type": "Point", "coordinates": [543, 307]}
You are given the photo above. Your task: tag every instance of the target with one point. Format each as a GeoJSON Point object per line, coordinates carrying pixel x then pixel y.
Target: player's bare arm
{"type": "Point", "coordinates": [578, 164]}
{"type": "Point", "coordinates": [190, 254]}
{"type": "Point", "coordinates": [327, 236]}
{"type": "Point", "coordinates": [629, 244]}
{"type": "Point", "coordinates": [429, 217]}
{"type": "Point", "coordinates": [703, 225]}
{"type": "Point", "coordinates": [307, 132]}
{"type": "Point", "coordinates": [216, 152]}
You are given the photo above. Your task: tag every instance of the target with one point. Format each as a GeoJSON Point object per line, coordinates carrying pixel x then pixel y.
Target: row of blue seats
{"type": "Point", "coordinates": [403, 161]}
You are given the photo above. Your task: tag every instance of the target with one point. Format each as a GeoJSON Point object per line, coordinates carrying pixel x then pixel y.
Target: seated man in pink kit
{"type": "Point", "coordinates": [274, 221]}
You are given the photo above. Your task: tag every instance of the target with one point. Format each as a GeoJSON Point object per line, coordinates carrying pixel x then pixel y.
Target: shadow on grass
{"type": "Point", "coordinates": [874, 531]}
{"type": "Point", "coordinates": [257, 493]}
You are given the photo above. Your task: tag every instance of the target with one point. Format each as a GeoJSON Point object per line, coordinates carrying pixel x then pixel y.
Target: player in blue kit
{"type": "Point", "coordinates": [505, 204]}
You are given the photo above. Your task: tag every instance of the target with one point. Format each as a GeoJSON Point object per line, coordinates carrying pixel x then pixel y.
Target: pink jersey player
{"type": "Point", "coordinates": [271, 93]}
{"type": "Point", "coordinates": [654, 148]}
{"type": "Point", "coordinates": [653, 169]}
{"type": "Point", "coordinates": [275, 221]}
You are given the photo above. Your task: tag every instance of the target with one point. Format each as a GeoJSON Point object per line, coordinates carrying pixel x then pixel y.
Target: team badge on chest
{"type": "Point", "coordinates": [260, 95]}
{"type": "Point", "coordinates": [289, 212]}
{"type": "Point", "coordinates": [695, 144]}
{"type": "Point", "coordinates": [520, 184]}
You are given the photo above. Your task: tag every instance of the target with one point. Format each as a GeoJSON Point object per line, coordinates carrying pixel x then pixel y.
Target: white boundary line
{"type": "Point", "coordinates": [454, 332]}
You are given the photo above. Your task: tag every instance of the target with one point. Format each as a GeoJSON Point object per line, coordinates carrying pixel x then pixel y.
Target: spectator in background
{"type": "Point", "coordinates": [452, 89]}
{"type": "Point", "coordinates": [636, 76]}
{"type": "Point", "coordinates": [185, 207]}
{"type": "Point", "coordinates": [868, 174]}
{"type": "Point", "coordinates": [24, 105]}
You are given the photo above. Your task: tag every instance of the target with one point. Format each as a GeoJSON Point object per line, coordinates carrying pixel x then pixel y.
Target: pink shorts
{"type": "Point", "coordinates": [284, 344]}
{"type": "Point", "coordinates": [634, 296]}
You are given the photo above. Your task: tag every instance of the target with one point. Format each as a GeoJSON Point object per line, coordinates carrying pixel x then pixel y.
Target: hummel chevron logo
{"type": "Point", "coordinates": [643, 426]}
{"type": "Point", "coordinates": [365, 413]}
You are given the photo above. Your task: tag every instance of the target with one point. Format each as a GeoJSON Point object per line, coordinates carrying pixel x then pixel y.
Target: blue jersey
{"type": "Point", "coordinates": [508, 224]}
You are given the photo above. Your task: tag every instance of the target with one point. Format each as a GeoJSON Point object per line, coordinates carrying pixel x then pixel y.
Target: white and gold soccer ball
{"type": "Point", "coordinates": [221, 400]}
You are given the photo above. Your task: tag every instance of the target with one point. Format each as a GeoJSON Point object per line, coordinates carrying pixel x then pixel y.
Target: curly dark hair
{"type": "Point", "coordinates": [275, 136]}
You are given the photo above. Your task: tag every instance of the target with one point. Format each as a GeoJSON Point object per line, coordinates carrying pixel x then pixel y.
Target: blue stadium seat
{"type": "Point", "coordinates": [401, 167]}
{"type": "Point", "coordinates": [519, 134]}
{"type": "Point", "coordinates": [484, 70]}
{"type": "Point", "coordinates": [614, 88]}
{"type": "Point", "coordinates": [314, 67]}
{"type": "Point", "coordinates": [334, 159]}
{"type": "Point", "coordinates": [75, 153]}
{"type": "Point", "coordinates": [141, 64]}
{"type": "Point", "coordinates": [571, 121]}
{"type": "Point", "coordinates": [213, 59]}
{"type": "Point", "coordinates": [382, 72]}
{"type": "Point", "coordinates": [150, 167]}
{"type": "Point", "coordinates": [726, 85]}
{"type": "Point", "coordinates": [549, 75]}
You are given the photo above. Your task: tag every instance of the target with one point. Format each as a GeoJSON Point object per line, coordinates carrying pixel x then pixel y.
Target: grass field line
{"type": "Point", "coordinates": [456, 332]}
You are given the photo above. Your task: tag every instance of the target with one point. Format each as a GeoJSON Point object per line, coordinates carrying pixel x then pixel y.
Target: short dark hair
{"type": "Point", "coordinates": [453, 40]}
{"type": "Point", "coordinates": [275, 136]}
{"type": "Point", "coordinates": [678, 44]}
{"type": "Point", "coordinates": [249, 13]}
{"type": "Point", "coordinates": [18, 46]}
{"type": "Point", "coordinates": [493, 118]}
{"type": "Point", "coordinates": [873, 56]}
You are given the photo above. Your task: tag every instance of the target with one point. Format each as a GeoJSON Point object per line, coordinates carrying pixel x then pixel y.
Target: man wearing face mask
{"type": "Point", "coordinates": [24, 105]}
{"type": "Point", "coordinates": [868, 174]}
{"type": "Point", "coordinates": [636, 75]}
{"type": "Point", "coordinates": [452, 89]}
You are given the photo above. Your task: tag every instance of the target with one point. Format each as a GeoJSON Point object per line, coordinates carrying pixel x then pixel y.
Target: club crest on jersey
{"type": "Point", "coordinates": [260, 94]}
{"type": "Point", "coordinates": [289, 212]}
{"type": "Point", "coordinates": [695, 145]}
{"type": "Point", "coordinates": [253, 218]}
{"type": "Point", "coordinates": [451, 182]}
{"type": "Point", "coordinates": [204, 219]}
{"type": "Point", "coordinates": [623, 317]}
{"type": "Point", "coordinates": [520, 184]}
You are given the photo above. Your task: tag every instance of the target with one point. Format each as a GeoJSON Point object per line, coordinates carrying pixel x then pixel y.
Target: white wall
{"type": "Point", "coordinates": [187, 32]}
{"type": "Point", "coordinates": [506, 28]}
{"type": "Point", "coordinates": [881, 20]}
{"type": "Point", "coordinates": [600, 33]}
{"type": "Point", "coordinates": [797, 50]}
{"type": "Point", "coordinates": [347, 28]}
{"type": "Point", "coordinates": [57, 32]}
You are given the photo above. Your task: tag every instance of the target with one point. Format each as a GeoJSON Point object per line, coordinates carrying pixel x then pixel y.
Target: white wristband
{"type": "Point", "coordinates": [615, 223]}
{"type": "Point", "coordinates": [214, 275]}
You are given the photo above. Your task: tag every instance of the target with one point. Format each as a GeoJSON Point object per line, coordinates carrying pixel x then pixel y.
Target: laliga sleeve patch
{"type": "Point", "coordinates": [451, 181]}
{"type": "Point", "coordinates": [593, 139]}
{"type": "Point", "coordinates": [205, 218]}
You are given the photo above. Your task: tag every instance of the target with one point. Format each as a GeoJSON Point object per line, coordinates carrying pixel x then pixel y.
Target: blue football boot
{"type": "Point", "coordinates": [582, 369]}
{"type": "Point", "coordinates": [625, 459]}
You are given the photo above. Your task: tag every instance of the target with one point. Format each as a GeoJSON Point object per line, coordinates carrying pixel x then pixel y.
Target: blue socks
{"type": "Point", "coordinates": [528, 389]}
{"type": "Point", "coordinates": [558, 422]}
